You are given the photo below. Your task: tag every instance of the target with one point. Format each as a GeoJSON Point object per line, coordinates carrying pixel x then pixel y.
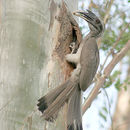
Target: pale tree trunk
{"type": "Point", "coordinates": [121, 119]}
{"type": "Point", "coordinates": [34, 38]}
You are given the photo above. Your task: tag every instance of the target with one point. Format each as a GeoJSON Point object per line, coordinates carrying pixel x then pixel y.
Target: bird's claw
{"type": "Point", "coordinates": [72, 47]}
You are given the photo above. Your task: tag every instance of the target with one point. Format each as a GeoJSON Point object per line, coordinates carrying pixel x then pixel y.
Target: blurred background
{"type": "Point", "coordinates": [111, 108]}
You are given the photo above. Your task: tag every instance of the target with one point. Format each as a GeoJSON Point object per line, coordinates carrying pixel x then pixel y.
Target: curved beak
{"type": "Point", "coordinates": [86, 15]}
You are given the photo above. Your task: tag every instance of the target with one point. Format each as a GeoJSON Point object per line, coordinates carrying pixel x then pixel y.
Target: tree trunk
{"type": "Point", "coordinates": [121, 119]}
{"type": "Point", "coordinates": [34, 38]}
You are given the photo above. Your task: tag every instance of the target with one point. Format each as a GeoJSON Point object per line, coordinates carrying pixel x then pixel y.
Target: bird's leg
{"type": "Point", "coordinates": [73, 47]}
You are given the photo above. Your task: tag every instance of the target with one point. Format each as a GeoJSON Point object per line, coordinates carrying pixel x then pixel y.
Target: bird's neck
{"type": "Point", "coordinates": [94, 32]}
{"type": "Point", "coordinates": [90, 35]}
{"type": "Point", "coordinates": [87, 36]}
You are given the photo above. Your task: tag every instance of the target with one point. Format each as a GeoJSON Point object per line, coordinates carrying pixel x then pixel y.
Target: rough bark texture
{"type": "Point", "coordinates": [34, 38]}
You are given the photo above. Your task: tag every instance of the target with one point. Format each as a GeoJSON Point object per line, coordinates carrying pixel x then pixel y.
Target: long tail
{"type": "Point", "coordinates": [46, 100]}
{"type": "Point", "coordinates": [74, 117]}
{"type": "Point", "coordinates": [51, 103]}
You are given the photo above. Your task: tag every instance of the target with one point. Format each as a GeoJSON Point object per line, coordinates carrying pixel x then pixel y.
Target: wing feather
{"type": "Point", "coordinates": [89, 61]}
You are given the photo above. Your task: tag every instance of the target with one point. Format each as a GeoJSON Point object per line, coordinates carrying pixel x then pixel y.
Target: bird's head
{"type": "Point", "coordinates": [95, 24]}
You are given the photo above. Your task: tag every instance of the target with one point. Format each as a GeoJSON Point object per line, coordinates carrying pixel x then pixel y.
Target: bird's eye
{"type": "Point", "coordinates": [97, 21]}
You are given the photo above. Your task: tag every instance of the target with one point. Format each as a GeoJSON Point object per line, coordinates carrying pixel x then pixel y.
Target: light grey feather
{"type": "Point", "coordinates": [89, 61]}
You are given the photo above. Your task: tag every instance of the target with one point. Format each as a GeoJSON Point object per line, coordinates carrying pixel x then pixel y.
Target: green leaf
{"type": "Point", "coordinates": [128, 83]}
{"type": "Point", "coordinates": [105, 109]}
{"type": "Point", "coordinates": [116, 73]}
{"type": "Point", "coordinates": [118, 85]}
{"type": "Point", "coordinates": [108, 82]}
{"type": "Point", "coordinates": [125, 87]}
{"type": "Point", "coordinates": [103, 116]}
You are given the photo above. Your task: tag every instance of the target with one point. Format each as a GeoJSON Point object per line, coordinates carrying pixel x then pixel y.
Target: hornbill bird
{"type": "Point", "coordinates": [86, 60]}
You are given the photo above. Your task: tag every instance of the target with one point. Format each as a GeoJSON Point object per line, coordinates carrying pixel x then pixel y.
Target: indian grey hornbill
{"type": "Point", "coordinates": [86, 60]}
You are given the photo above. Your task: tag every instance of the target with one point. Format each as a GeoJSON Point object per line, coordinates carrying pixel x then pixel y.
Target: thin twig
{"type": "Point", "coordinates": [114, 45]}
{"type": "Point", "coordinates": [109, 107]}
{"type": "Point", "coordinates": [120, 35]}
{"type": "Point", "coordinates": [106, 73]}
{"type": "Point", "coordinates": [108, 12]}
{"type": "Point", "coordinates": [106, 17]}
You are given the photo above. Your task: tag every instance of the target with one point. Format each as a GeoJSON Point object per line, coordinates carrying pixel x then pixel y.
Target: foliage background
{"type": "Point", "coordinates": [116, 16]}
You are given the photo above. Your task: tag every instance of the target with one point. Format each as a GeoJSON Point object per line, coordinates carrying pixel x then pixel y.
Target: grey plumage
{"type": "Point", "coordinates": [74, 115]}
{"type": "Point", "coordinates": [86, 60]}
{"type": "Point", "coordinates": [89, 61]}
{"type": "Point", "coordinates": [50, 104]}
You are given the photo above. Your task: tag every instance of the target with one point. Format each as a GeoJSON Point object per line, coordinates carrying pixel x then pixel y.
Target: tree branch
{"type": "Point", "coordinates": [114, 45]}
{"type": "Point", "coordinates": [108, 12]}
{"type": "Point", "coordinates": [105, 19]}
{"type": "Point", "coordinates": [106, 73]}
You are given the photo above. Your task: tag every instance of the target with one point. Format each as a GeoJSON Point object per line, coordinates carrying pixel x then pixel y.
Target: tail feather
{"type": "Point", "coordinates": [51, 103]}
{"type": "Point", "coordinates": [74, 117]}
{"type": "Point", "coordinates": [75, 127]}
{"type": "Point", "coordinates": [46, 100]}
{"type": "Point", "coordinates": [59, 101]}
{"type": "Point", "coordinates": [42, 105]}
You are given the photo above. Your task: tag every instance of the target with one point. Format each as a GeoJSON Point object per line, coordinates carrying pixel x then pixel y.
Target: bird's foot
{"type": "Point", "coordinates": [72, 47]}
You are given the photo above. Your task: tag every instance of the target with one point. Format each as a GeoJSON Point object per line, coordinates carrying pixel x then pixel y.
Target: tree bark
{"type": "Point", "coordinates": [121, 119]}
{"type": "Point", "coordinates": [34, 38]}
